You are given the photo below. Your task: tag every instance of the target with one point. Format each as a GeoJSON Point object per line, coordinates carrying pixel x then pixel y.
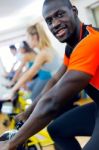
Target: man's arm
{"type": "Point", "coordinates": [46, 109]}
{"type": "Point", "coordinates": [48, 86]}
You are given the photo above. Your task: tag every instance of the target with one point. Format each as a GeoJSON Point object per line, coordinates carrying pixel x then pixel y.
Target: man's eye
{"type": "Point", "coordinates": [49, 21]}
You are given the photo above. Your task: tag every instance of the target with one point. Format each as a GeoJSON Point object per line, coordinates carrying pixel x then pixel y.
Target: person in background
{"type": "Point", "coordinates": [47, 61]}
{"type": "Point", "coordinates": [27, 56]}
{"type": "Point", "coordinates": [11, 73]}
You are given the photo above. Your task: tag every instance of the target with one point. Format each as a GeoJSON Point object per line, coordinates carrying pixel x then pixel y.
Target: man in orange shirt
{"type": "Point", "coordinates": [80, 70]}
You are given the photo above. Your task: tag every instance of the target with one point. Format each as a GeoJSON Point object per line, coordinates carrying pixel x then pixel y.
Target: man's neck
{"type": "Point", "coordinates": [75, 37]}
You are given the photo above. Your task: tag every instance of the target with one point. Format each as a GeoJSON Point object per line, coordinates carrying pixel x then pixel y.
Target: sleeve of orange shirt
{"type": "Point", "coordinates": [66, 60]}
{"type": "Point", "coordinates": [85, 56]}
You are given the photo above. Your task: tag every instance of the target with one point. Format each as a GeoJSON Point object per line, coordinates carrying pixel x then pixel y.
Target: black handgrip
{"type": "Point", "coordinates": [19, 125]}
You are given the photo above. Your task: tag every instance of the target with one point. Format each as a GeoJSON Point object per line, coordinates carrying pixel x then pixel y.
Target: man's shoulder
{"type": "Point", "coordinates": [90, 36]}
{"type": "Point", "coordinates": [95, 28]}
{"type": "Point", "coordinates": [86, 40]}
{"type": "Point", "coordinates": [87, 29]}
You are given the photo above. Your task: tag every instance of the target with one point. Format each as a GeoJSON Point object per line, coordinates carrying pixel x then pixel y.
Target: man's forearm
{"type": "Point", "coordinates": [29, 110]}
{"type": "Point", "coordinates": [48, 86]}
{"type": "Point", "coordinates": [37, 120]}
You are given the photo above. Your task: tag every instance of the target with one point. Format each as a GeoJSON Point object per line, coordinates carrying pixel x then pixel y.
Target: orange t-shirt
{"type": "Point", "coordinates": [85, 56]}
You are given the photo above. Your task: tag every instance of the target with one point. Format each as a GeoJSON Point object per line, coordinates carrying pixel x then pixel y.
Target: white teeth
{"type": "Point", "coordinates": [61, 32]}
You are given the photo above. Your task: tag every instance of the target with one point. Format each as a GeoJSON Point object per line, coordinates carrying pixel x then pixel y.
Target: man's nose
{"type": "Point", "coordinates": [55, 23]}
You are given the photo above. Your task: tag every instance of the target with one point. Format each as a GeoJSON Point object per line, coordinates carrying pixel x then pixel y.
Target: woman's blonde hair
{"type": "Point", "coordinates": [43, 37]}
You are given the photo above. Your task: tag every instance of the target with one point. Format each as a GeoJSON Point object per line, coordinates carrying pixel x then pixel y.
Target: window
{"type": "Point", "coordinates": [96, 15]}
{"type": "Point", "coordinates": [95, 11]}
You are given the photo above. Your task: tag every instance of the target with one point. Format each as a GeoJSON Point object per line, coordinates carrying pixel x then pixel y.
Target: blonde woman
{"type": "Point", "coordinates": [46, 62]}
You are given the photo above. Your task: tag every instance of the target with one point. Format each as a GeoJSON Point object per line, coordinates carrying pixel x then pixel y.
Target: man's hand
{"type": "Point", "coordinates": [5, 145]}
{"type": "Point", "coordinates": [20, 117]}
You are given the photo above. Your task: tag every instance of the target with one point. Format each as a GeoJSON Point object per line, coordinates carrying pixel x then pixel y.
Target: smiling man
{"type": "Point", "coordinates": [80, 70]}
{"type": "Point", "coordinates": [63, 17]}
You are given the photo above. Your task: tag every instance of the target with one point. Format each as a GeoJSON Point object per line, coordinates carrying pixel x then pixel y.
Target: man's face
{"type": "Point", "coordinates": [60, 19]}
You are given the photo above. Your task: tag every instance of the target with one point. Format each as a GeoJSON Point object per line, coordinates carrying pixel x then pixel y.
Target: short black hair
{"type": "Point", "coordinates": [66, 2]}
{"type": "Point", "coordinates": [13, 47]}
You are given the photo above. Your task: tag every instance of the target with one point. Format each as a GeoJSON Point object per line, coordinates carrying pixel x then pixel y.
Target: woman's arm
{"type": "Point", "coordinates": [39, 61]}
{"type": "Point", "coordinates": [18, 72]}
{"type": "Point", "coordinates": [13, 66]}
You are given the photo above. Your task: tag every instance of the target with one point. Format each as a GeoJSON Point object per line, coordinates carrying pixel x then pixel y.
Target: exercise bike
{"type": "Point", "coordinates": [25, 146]}
{"type": "Point", "coordinates": [36, 142]}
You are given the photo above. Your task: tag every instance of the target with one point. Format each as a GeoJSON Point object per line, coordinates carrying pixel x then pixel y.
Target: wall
{"type": "Point", "coordinates": [84, 10]}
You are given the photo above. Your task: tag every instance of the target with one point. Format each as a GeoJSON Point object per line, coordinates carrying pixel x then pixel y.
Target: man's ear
{"type": "Point", "coordinates": [75, 10]}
